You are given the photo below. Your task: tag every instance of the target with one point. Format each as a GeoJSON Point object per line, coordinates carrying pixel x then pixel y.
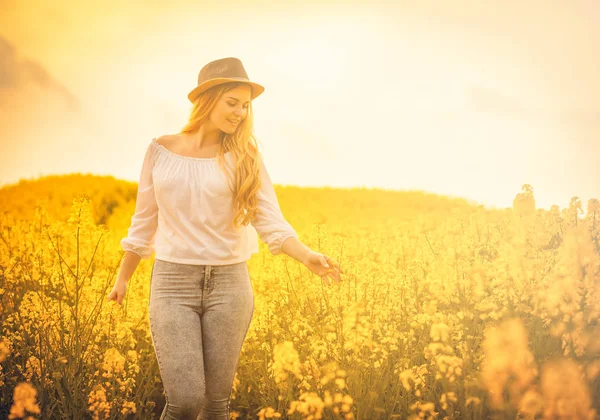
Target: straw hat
{"type": "Point", "coordinates": [221, 71]}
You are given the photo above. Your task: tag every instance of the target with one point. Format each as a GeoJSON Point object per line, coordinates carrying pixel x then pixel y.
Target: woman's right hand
{"type": "Point", "coordinates": [118, 292]}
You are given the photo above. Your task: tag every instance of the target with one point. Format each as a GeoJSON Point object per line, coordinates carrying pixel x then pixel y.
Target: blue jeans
{"type": "Point", "coordinates": [199, 317]}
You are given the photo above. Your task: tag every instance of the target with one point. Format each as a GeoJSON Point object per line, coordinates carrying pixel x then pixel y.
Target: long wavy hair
{"type": "Point", "coordinates": [241, 144]}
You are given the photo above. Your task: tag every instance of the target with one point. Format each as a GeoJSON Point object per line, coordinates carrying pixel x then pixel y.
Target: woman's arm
{"type": "Point", "coordinates": [269, 222]}
{"type": "Point", "coordinates": [295, 249]}
{"type": "Point", "coordinates": [128, 266]}
{"type": "Point", "coordinates": [139, 242]}
{"type": "Point", "coordinates": [144, 222]}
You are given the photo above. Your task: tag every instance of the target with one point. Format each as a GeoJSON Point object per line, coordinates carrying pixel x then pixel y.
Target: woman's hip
{"type": "Point", "coordinates": [228, 283]}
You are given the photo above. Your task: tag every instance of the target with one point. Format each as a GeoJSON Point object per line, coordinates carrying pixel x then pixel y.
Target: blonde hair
{"type": "Point", "coordinates": [243, 147]}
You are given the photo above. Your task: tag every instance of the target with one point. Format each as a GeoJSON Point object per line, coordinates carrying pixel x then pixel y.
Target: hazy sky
{"type": "Point", "coordinates": [465, 98]}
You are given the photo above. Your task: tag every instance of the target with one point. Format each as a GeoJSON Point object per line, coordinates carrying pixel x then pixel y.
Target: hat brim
{"type": "Point", "coordinates": [256, 88]}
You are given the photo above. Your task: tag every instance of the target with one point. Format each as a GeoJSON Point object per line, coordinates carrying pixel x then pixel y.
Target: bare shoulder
{"type": "Point", "coordinates": [167, 140]}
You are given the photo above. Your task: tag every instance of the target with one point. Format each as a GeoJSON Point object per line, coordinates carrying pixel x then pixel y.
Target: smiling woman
{"type": "Point", "coordinates": [199, 208]}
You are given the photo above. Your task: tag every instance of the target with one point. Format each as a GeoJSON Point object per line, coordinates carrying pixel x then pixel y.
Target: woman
{"type": "Point", "coordinates": [194, 208]}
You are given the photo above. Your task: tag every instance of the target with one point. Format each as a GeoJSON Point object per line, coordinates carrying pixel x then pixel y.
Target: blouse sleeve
{"type": "Point", "coordinates": [141, 233]}
{"type": "Point", "coordinates": [270, 224]}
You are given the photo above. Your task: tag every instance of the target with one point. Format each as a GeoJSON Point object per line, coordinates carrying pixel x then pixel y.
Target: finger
{"type": "Point", "coordinates": [332, 281]}
{"type": "Point", "coordinates": [333, 263]}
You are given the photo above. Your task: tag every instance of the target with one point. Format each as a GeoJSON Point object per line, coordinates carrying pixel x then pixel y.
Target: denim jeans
{"type": "Point", "coordinates": [199, 316]}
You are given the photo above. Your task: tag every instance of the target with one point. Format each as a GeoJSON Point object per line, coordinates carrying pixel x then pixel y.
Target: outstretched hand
{"type": "Point", "coordinates": [323, 267]}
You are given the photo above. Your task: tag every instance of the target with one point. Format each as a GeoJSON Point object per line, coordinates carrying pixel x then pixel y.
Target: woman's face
{"type": "Point", "coordinates": [232, 108]}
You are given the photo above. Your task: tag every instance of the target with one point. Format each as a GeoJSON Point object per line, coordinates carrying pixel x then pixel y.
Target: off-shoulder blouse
{"type": "Point", "coordinates": [184, 210]}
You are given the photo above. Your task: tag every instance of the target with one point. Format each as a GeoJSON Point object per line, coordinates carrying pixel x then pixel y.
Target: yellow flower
{"type": "Point", "coordinates": [24, 399]}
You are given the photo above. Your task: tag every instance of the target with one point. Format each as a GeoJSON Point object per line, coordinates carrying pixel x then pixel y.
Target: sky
{"type": "Point", "coordinates": [464, 98]}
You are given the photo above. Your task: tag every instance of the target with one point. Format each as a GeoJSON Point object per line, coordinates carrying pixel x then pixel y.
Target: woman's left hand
{"type": "Point", "coordinates": [323, 266]}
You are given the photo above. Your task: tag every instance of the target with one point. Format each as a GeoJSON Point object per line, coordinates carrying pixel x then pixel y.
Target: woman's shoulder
{"type": "Point", "coordinates": [166, 140]}
{"type": "Point", "coordinates": [158, 143]}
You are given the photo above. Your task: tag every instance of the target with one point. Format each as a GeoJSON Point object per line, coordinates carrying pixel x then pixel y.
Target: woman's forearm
{"type": "Point", "coordinates": [295, 249]}
{"type": "Point", "coordinates": [128, 266]}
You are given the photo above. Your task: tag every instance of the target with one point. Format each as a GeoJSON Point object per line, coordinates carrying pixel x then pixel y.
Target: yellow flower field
{"type": "Point", "coordinates": [447, 309]}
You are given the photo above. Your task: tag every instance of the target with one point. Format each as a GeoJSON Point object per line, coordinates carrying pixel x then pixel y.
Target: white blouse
{"type": "Point", "coordinates": [184, 208]}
